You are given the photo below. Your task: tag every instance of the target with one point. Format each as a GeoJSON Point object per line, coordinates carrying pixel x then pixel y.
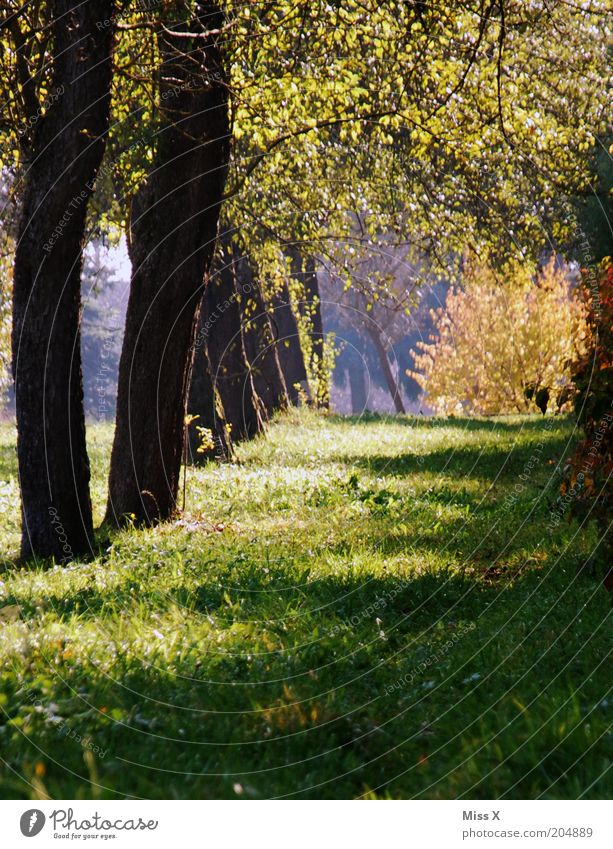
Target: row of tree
{"type": "Point", "coordinates": [434, 124]}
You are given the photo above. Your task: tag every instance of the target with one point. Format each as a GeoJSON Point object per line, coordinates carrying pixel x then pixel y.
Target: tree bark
{"type": "Point", "coordinates": [311, 308]}
{"type": "Point", "coordinates": [173, 232]}
{"type": "Point", "coordinates": [260, 344]}
{"type": "Point", "coordinates": [230, 371]}
{"type": "Point", "coordinates": [357, 385]}
{"type": "Point", "coordinates": [392, 384]}
{"type": "Point", "coordinates": [67, 149]}
{"type": "Point", "coordinates": [204, 403]}
{"type": "Point", "coordinates": [289, 348]}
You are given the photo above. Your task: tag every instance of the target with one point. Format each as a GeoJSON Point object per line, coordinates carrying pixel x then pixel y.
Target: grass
{"type": "Point", "coordinates": [356, 608]}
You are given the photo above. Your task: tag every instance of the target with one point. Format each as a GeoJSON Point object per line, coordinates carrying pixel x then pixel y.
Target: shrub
{"type": "Point", "coordinates": [503, 348]}
{"type": "Point", "coordinates": [588, 483]}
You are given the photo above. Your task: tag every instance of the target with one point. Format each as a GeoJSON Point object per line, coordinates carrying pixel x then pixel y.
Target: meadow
{"type": "Point", "coordinates": [375, 607]}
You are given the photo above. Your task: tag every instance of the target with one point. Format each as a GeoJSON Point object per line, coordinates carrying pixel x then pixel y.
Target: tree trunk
{"type": "Point", "coordinates": [289, 348]}
{"type": "Point", "coordinates": [392, 385]}
{"type": "Point", "coordinates": [357, 385]}
{"type": "Point", "coordinates": [311, 307]}
{"type": "Point", "coordinates": [230, 371]}
{"type": "Point", "coordinates": [67, 149]}
{"type": "Point", "coordinates": [173, 231]}
{"type": "Point", "coordinates": [204, 403]}
{"type": "Point", "coordinates": [260, 344]}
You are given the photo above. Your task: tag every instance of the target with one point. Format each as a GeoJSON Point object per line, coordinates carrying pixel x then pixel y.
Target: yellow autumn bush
{"type": "Point", "coordinates": [503, 346]}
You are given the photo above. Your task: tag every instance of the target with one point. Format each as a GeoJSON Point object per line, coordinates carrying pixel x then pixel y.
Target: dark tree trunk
{"type": "Point", "coordinates": [392, 384]}
{"type": "Point", "coordinates": [230, 371]}
{"type": "Point", "coordinates": [289, 348]}
{"type": "Point", "coordinates": [260, 344]}
{"type": "Point", "coordinates": [204, 403]}
{"type": "Point", "coordinates": [311, 307]}
{"type": "Point", "coordinates": [357, 385]}
{"type": "Point", "coordinates": [173, 232]}
{"type": "Point", "coordinates": [66, 153]}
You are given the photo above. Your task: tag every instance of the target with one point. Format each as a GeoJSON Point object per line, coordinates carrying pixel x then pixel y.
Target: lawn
{"type": "Point", "coordinates": [376, 607]}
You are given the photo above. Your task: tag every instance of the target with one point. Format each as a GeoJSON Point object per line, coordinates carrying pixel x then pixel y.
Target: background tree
{"type": "Point", "coordinates": [101, 330]}
{"type": "Point", "coordinates": [310, 320]}
{"type": "Point", "coordinates": [291, 357]}
{"type": "Point", "coordinates": [377, 307]}
{"type": "Point", "coordinates": [258, 339]}
{"type": "Point", "coordinates": [208, 434]}
{"type": "Point", "coordinates": [221, 333]}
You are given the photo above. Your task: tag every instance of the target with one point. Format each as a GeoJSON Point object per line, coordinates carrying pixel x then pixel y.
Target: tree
{"type": "Point", "coordinates": [501, 349]}
{"type": "Point", "coordinates": [378, 305]}
{"type": "Point", "coordinates": [240, 349]}
{"type": "Point", "coordinates": [258, 339]}
{"type": "Point", "coordinates": [444, 119]}
{"type": "Point", "coordinates": [309, 307]}
{"type": "Point", "coordinates": [101, 331]}
{"type": "Point", "coordinates": [205, 413]}
{"type": "Point", "coordinates": [221, 335]}
{"type": "Point", "coordinates": [291, 358]}
{"type": "Point", "coordinates": [67, 143]}
{"type": "Point", "coordinates": [173, 229]}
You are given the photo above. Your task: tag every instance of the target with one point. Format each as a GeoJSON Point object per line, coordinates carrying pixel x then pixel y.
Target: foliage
{"type": "Point", "coordinates": [319, 364]}
{"type": "Point", "coordinates": [237, 651]}
{"type": "Point", "coordinates": [443, 120]}
{"type": "Point", "coordinates": [588, 486]}
{"type": "Point", "coordinates": [595, 208]}
{"type": "Point", "coordinates": [207, 441]}
{"type": "Point", "coordinates": [503, 348]}
{"type": "Point", "coordinates": [440, 121]}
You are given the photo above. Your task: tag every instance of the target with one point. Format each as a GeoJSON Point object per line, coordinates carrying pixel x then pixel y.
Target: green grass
{"type": "Point", "coordinates": [354, 608]}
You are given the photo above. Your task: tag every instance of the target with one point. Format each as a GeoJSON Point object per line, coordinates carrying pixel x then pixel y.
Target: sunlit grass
{"type": "Point", "coordinates": [254, 647]}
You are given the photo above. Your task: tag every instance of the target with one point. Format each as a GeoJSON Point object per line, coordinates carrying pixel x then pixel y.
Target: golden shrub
{"type": "Point", "coordinates": [503, 347]}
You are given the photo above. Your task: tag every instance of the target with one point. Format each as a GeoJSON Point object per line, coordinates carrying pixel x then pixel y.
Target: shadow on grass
{"type": "Point", "coordinates": [511, 424]}
{"type": "Point", "coordinates": [253, 590]}
{"type": "Point", "coordinates": [486, 463]}
{"type": "Point", "coordinates": [308, 709]}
